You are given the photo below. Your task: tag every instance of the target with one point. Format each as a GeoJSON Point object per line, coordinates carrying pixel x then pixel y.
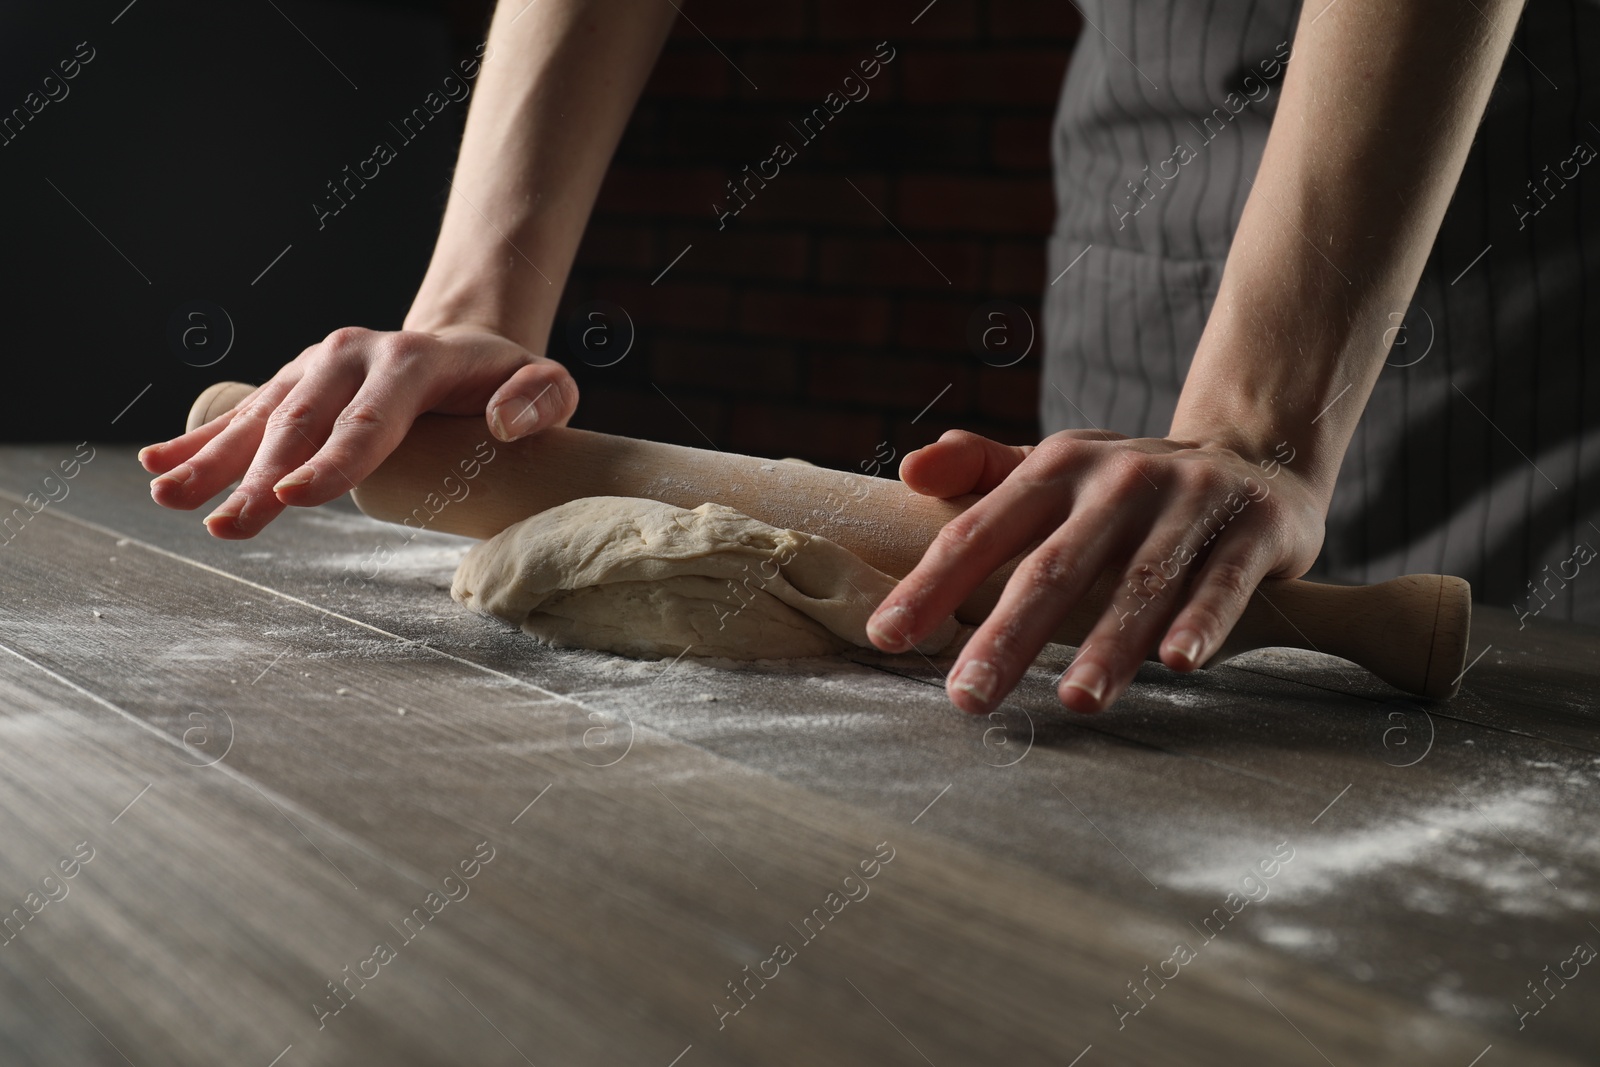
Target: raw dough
{"type": "Point", "coordinates": [645, 578]}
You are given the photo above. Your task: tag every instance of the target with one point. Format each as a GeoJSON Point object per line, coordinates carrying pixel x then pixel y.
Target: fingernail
{"type": "Point", "coordinates": [177, 476]}
{"type": "Point", "coordinates": [1186, 643]}
{"type": "Point", "coordinates": [524, 417]}
{"type": "Point", "coordinates": [887, 628]}
{"type": "Point", "coordinates": [232, 508]}
{"type": "Point", "coordinates": [978, 679]}
{"type": "Point", "coordinates": [303, 476]}
{"type": "Point", "coordinates": [1090, 680]}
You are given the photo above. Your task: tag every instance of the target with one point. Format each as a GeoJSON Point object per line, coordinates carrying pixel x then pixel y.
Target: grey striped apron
{"type": "Point", "coordinates": [1479, 452]}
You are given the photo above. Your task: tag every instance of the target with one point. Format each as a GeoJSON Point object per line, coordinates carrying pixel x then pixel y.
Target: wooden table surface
{"type": "Point", "coordinates": [270, 766]}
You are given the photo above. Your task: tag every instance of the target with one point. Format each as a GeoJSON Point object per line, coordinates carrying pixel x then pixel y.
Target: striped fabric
{"type": "Point", "coordinates": [1479, 452]}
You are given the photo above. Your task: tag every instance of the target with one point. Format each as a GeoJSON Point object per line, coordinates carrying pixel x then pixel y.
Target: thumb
{"type": "Point", "coordinates": [538, 396]}
{"type": "Point", "coordinates": [959, 463]}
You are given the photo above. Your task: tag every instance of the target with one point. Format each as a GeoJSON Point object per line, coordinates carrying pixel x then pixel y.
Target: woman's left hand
{"type": "Point", "coordinates": [1192, 528]}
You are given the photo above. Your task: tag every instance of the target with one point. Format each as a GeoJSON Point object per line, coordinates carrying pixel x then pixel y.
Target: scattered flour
{"type": "Point", "coordinates": [1447, 859]}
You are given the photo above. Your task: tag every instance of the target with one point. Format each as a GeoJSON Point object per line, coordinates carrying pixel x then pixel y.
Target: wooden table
{"type": "Point", "coordinates": [270, 767]}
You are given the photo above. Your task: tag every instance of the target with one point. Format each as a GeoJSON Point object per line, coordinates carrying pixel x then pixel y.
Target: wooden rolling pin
{"type": "Point", "coordinates": [1409, 631]}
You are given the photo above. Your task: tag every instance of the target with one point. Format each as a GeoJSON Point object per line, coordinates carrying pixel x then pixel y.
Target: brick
{"type": "Point", "coordinates": [818, 198]}
{"type": "Point", "coordinates": [891, 20]}
{"type": "Point", "coordinates": [742, 252]}
{"type": "Point", "coordinates": [740, 20]}
{"type": "Point", "coordinates": [1021, 143]}
{"type": "Point", "coordinates": [892, 263]}
{"type": "Point", "coordinates": [975, 204]}
{"type": "Point", "coordinates": [936, 325]}
{"type": "Point", "coordinates": [1017, 269]}
{"type": "Point", "coordinates": [1029, 20]}
{"type": "Point", "coordinates": [799, 76]}
{"type": "Point", "coordinates": [660, 191]}
{"type": "Point", "coordinates": [699, 305]}
{"type": "Point", "coordinates": [991, 76]}
{"type": "Point", "coordinates": [852, 320]}
{"type": "Point", "coordinates": [730, 137]}
{"type": "Point", "coordinates": [902, 383]}
{"type": "Point", "coordinates": [821, 435]}
{"type": "Point", "coordinates": [726, 367]}
{"type": "Point", "coordinates": [1010, 394]}
{"type": "Point", "coordinates": [690, 73]}
{"type": "Point", "coordinates": [611, 245]}
{"type": "Point", "coordinates": [898, 137]}
{"type": "Point", "coordinates": [649, 415]}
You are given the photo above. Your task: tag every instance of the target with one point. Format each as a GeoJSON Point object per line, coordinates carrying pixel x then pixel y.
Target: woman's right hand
{"type": "Point", "coordinates": [328, 418]}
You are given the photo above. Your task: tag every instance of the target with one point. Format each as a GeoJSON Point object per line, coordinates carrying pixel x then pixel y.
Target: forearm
{"type": "Point", "coordinates": [558, 83]}
{"type": "Point", "coordinates": [1379, 107]}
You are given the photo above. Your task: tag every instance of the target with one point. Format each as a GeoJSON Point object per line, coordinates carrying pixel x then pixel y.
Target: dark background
{"type": "Point", "coordinates": [197, 138]}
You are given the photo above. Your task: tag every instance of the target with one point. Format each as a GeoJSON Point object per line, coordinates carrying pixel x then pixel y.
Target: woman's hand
{"type": "Point", "coordinates": [328, 418]}
{"type": "Point", "coordinates": [1192, 529]}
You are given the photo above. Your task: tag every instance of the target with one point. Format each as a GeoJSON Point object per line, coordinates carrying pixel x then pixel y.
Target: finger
{"type": "Point", "coordinates": [370, 426]}
{"type": "Point", "coordinates": [538, 396]}
{"type": "Point", "coordinates": [1150, 588]}
{"type": "Point", "coordinates": [959, 463]}
{"type": "Point", "coordinates": [1038, 596]}
{"type": "Point", "coordinates": [297, 427]}
{"type": "Point", "coordinates": [1221, 591]}
{"type": "Point", "coordinates": [974, 544]}
{"type": "Point", "coordinates": [164, 455]}
{"type": "Point", "coordinates": [225, 457]}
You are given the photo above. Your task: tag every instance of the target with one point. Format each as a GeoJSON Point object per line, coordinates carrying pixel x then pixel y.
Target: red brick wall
{"type": "Point", "coordinates": [807, 326]}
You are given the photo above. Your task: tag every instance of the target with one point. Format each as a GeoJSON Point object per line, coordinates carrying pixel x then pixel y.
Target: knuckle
{"type": "Point", "coordinates": [1057, 450]}
{"type": "Point", "coordinates": [1130, 470]}
{"type": "Point", "coordinates": [254, 411]}
{"type": "Point", "coordinates": [344, 340]}
{"type": "Point", "coordinates": [1207, 478]}
{"type": "Point", "coordinates": [1049, 568]}
{"type": "Point", "coordinates": [292, 415]}
{"type": "Point", "coordinates": [1230, 580]}
{"type": "Point", "coordinates": [400, 351]}
{"type": "Point", "coordinates": [362, 417]}
{"type": "Point", "coordinates": [1148, 578]}
{"type": "Point", "coordinates": [964, 533]}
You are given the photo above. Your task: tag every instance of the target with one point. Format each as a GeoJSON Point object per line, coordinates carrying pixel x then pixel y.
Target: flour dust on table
{"type": "Point", "coordinates": [643, 578]}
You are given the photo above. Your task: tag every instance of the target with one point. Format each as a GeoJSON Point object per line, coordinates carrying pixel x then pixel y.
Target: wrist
{"type": "Point", "coordinates": [1274, 445]}
{"type": "Point", "coordinates": [481, 309]}
{"type": "Point", "coordinates": [1285, 365]}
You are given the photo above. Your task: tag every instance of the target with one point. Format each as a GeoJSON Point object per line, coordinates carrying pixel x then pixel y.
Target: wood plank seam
{"type": "Point", "coordinates": [332, 829]}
